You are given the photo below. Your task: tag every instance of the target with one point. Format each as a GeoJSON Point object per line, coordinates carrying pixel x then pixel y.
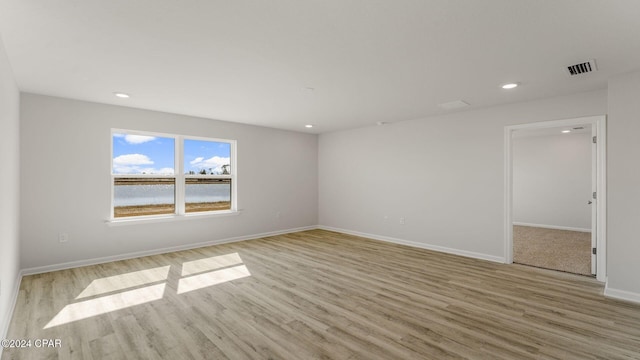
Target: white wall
{"type": "Point", "coordinates": [552, 180]}
{"type": "Point", "coordinates": [623, 186]}
{"type": "Point", "coordinates": [65, 173]}
{"type": "Point", "coordinates": [9, 190]}
{"type": "Point", "coordinates": [444, 175]}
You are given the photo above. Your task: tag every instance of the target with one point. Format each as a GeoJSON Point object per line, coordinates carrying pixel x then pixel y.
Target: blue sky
{"type": "Point", "coordinates": [208, 155]}
{"type": "Point", "coordinates": [139, 154]}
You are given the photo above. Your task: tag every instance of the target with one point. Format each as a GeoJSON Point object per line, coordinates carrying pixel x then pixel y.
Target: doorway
{"type": "Point", "coordinates": [554, 195]}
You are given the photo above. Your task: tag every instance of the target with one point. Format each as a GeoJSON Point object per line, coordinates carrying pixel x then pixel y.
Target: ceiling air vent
{"type": "Point", "coordinates": [582, 68]}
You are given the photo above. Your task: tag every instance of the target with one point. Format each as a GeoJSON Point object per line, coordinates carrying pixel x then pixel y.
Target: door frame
{"type": "Point", "coordinates": [599, 123]}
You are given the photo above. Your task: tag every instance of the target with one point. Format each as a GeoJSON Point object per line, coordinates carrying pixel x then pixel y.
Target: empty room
{"type": "Point", "coordinates": [409, 179]}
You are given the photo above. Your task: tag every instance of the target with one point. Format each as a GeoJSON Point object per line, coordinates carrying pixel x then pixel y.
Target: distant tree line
{"type": "Point", "coordinates": [225, 171]}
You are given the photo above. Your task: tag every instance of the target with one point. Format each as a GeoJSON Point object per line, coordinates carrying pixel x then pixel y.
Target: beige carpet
{"type": "Point", "coordinates": [562, 250]}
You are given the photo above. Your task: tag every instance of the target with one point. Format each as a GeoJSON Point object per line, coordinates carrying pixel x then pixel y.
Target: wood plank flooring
{"type": "Point", "coordinates": [319, 295]}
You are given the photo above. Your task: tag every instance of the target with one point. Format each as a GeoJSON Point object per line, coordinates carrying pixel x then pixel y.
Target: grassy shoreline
{"type": "Point", "coordinates": [164, 209]}
{"type": "Point", "coordinates": [167, 181]}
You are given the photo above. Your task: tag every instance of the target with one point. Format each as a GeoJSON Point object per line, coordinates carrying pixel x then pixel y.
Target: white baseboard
{"type": "Point", "coordinates": [621, 294]}
{"type": "Point", "coordinates": [471, 254]}
{"type": "Point", "coordinates": [106, 259]}
{"type": "Point", "coordinates": [4, 328]}
{"type": "Point", "coordinates": [554, 227]}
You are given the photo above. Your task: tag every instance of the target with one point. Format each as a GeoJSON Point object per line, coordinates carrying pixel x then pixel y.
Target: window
{"type": "Point", "coordinates": [160, 174]}
{"type": "Point", "coordinates": [207, 175]}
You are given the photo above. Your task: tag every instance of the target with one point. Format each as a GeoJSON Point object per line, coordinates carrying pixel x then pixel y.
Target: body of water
{"type": "Point", "coordinates": [127, 195]}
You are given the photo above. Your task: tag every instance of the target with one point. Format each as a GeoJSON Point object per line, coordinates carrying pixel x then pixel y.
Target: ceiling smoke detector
{"type": "Point", "coordinates": [451, 105]}
{"type": "Point", "coordinates": [582, 68]}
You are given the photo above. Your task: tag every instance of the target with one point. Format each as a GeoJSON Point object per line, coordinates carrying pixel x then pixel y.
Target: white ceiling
{"type": "Point", "coordinates": [252, 61]}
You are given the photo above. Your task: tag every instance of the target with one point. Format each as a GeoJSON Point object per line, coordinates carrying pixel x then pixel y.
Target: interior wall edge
{"type": "Point", "coordinates": [4, 326]}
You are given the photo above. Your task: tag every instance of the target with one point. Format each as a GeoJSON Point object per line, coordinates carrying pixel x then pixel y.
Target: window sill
{"type": "Point", "coordinates": [169, 218]}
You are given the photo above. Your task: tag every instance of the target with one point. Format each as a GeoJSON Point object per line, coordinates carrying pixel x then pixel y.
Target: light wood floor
{"type": "Point", "coordinates": [320, 295]}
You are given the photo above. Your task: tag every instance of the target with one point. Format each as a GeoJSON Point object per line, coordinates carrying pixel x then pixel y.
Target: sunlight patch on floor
{"type": "Point", "coordinates": [212, 278]}
{"type": "Point", "coordinates": [199, 274]}
{"type": "Point", "coordinates": [125, 281]}
{"type": "Point", "coordinates": [211, 263]}
{"type": "Point", "coordinates": [105, 304]}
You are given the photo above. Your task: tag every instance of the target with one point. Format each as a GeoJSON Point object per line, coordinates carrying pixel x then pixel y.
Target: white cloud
{"type": "Point", "coordinates": [138, 139]}
{"type": "Point", "coordinates": [215, 163]}
{"type": "Point", "coordinates": [135, 164]}
{"type": "Point", "coordinates": [132, 159]}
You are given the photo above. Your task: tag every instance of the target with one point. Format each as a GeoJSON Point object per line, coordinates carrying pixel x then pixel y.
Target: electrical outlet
{"type": "Point", "coordinates": [63, 237]}
{"type": "Point", "coordinates": [401, 221]}
{"type": "Point", "coordinates": [277, 214]}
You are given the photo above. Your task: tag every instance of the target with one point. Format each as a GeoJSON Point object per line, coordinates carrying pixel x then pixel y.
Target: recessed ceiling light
{"type": "Point", "coordinates": [309, 126]}
{"type": "Point", "coordinates": [121, 95]}
{"type": "Point", "coordinates": [566, 131]}
{"type": "Point", "coordinates": [510, 86]}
